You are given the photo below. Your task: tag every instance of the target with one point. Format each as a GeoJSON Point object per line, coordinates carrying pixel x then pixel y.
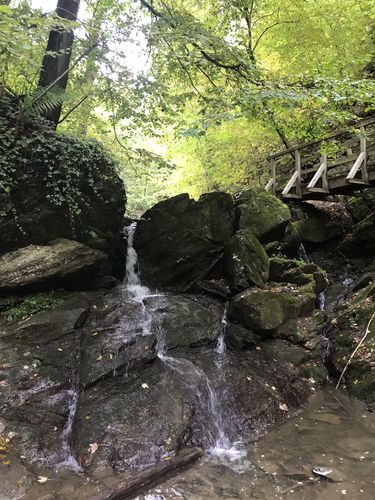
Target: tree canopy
{"type": "Point", "coordinates": [187, 95]}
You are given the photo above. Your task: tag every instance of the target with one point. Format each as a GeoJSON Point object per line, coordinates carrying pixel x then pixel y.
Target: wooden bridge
{"type": "Point", "coordinates": [341, 163]}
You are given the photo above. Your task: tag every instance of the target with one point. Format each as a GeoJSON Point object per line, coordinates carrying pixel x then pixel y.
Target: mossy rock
{"type": "Point", "coordinates": [246, 261]}
{"type": "Point", "coordinates": [263, 213]}
{"type": "Point", "coordinates": [315, 230]}
{"type": "Point", "coordinates": [350, 327]}
{"type": "Point", "coordinates": [264, 310]}
{"type": "Point", "coordinates": [297, 272]}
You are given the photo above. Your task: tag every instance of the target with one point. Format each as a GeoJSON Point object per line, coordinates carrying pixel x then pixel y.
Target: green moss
{"type": "Point", "coordinates": [32, 305]}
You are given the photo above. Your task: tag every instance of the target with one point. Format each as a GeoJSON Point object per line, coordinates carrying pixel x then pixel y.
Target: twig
{"type": "Point", "coordinates": [356, 349]}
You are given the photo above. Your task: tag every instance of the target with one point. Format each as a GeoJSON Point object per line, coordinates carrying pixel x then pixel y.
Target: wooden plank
{"type": "Point", "coordinates": [290, 184]}
{"type": "Point", "coordinates": [148, 477]}
{"type": "Point", "coordinates": [269, 185]}
{"type": "Point", "coordinates": [321, 173]}
{"type": "Point", "coordinates": [355, 168]}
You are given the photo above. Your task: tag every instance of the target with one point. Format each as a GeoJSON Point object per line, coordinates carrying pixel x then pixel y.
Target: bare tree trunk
{"type": "Point", "coordinates": [54, 66]}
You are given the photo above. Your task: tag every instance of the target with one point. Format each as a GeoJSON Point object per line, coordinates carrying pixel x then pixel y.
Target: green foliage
{"type": "Point", "coordinates": [224, 84]}
{"type": "Point", "coordinates": [60, 161]}
{"type": "Point", "coordinates": [32, 305]}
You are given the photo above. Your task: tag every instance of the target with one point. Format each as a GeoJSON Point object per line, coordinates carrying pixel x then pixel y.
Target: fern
{"type": "Point", "coordinates": [41, 102]}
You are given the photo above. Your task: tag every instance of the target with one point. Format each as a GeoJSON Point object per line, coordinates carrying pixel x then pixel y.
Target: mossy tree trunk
{"type": "Point", "coordinates": [54, 66]}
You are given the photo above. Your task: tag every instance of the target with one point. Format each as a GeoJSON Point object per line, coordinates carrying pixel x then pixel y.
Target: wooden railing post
{"type": "Point", "coordinates": [325, 172]}
{"type": "Point", "coordinates": [297, 161]}
{"type": "Point", "coordinates": [362, 141]}
{"type": "Point", "coordinates": [273, 175]}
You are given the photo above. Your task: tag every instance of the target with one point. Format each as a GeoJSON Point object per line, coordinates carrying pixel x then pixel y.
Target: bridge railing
{"type": "Point", "coordinates": [312, 167]}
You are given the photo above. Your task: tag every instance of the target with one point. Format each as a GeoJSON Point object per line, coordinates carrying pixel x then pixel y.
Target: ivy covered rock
{"type": "Point", "coordinates": [264, 310]}
{"type": "Point", "coordinates": [56, 186]}
{"type": "Point", "coordinates": [62, 263]}
{"type": "Point", "coordinates": [263, 213]}
{"type": "Point", "coordinates": [246, 261]}
{"type": "Point", "coordinates": [179, 239]}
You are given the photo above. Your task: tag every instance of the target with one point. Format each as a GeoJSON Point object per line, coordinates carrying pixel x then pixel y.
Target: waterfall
{"type": "Point", "coordinates": [220, 346]}
{"type": "Point", "coordinates": [69, 461]}
{"type": "Point", "coordinates": [214, 422]}
{"type": "Point", "coordinates": [132, 277]}
{"type": "Point", "coordinates": [302, 254]}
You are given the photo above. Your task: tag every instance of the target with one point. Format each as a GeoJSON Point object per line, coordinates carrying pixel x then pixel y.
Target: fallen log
{"type": "Point", "coordinates": [149, 477]}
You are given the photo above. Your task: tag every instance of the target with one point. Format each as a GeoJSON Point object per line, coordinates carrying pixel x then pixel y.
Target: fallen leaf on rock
{"type": "Point", "coordinates": [283, 407]}
{"type": "Point", "coordinates": [42, 479]}
{"type": "Point", "coordinates": [93, 447]}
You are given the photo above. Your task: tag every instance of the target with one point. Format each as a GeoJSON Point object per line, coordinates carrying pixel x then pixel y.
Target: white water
{"type": "Point", "coordinates": [302, 254]}
{"type": "Point", "coordinates": [216, 440]}
{"type": "Point", "coordinates": [220, 346]}
{"type": "Point", "coordinates": [69, 461]}
{"type": "Point", "coordinates": [132, 277]}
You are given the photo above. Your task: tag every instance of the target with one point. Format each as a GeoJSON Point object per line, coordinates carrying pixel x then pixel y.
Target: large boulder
{"type": "Point", "coordinates": [246, 261]}
{"type": "Point", "coordinates": [179, 239]}
{"type": "Point", "coordinates": [57, 186]}
{"type": "Point", "coordinates": [264, 310]}
{"type": "Point", "coordinates": [263, 213]}
{"type": "Point", "coordinates": [61, 263]}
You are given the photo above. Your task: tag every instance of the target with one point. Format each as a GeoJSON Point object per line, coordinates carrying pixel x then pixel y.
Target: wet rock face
{"type": "Point", "coordinates": [100, 347]}
{"type": "Point", "coordinates": [62, 263]}
{"type": "Point", "coordinates": [185, 320]}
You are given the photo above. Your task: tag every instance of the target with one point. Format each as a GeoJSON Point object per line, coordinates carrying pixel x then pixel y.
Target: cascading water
{"type": "Point", "coordinates": [132, 278]}
{"type": "Point", "coordinates": [69, 461]}
{"type": "Point", "coordinates": [215, 425]}
{"type": "Point", "coordinates": [302, 254]}
{"type": "Point", "coordinates": [220, 346]}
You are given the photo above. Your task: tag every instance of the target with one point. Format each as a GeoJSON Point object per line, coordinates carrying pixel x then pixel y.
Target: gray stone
{"type": "Point", "coordinates": [246, 261]}
{"type": "Point", "coordinates": [61, 263]}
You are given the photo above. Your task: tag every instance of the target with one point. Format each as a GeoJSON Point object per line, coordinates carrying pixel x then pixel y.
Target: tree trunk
{"type": "Point", "coordinates": [54, 66]}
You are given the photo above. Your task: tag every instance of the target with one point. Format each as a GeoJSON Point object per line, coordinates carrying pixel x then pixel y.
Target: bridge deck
{"type": "Point", "coordinates": [341, 163]}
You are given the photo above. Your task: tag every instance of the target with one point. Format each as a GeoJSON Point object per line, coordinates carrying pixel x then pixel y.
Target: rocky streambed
{"type": "Point", "coordinates": [217, 332]}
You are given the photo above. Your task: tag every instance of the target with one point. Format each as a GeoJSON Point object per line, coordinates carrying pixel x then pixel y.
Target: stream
{"type": "Point", "coordinates": [324, 451]}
